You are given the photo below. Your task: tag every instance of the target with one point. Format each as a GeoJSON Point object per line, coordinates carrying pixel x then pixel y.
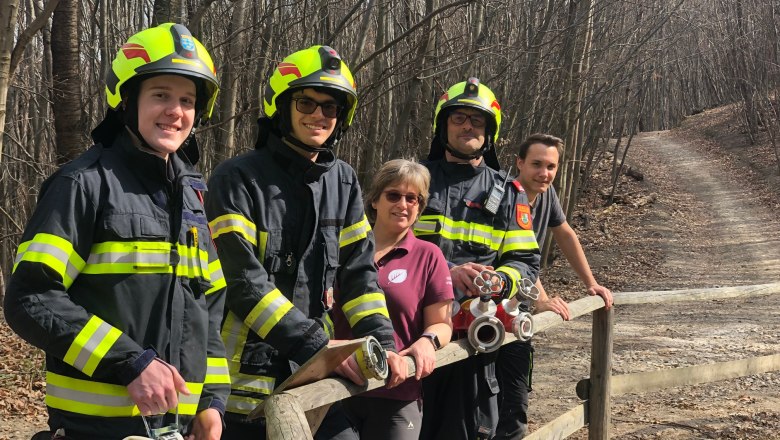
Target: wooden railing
{"type": "Point", "coordinates": [296, 413]}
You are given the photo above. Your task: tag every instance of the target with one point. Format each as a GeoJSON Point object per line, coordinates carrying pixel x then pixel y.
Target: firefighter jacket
{"type": "Point", "coordinates": [289, 231]}
{"type": "Point", "coordinates": [456, 221]}
{"type": "Point", "coordinates": [116, 266]}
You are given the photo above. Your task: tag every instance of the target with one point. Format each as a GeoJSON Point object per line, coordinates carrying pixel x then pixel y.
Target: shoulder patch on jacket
{"type": "Point", "coordinates": [523, 216]}
{"type": "Point", "coordinates": [518, 186]}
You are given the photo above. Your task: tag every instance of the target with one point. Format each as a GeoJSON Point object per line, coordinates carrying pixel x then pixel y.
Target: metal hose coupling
{"type": "Point", "coordinates": [372, 359]}
{"type": "Point", "coordinates": [523, 326]}
{"type": "Point", "coordinates": [486, 333]}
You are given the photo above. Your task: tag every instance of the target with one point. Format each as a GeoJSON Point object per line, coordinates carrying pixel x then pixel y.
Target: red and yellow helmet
{"type": "Point", "coordinates": [474, 95]}
{"type": "Point", "coordinates": [168, 49]}
{"type": "Point", "coordinates": [317, 66]}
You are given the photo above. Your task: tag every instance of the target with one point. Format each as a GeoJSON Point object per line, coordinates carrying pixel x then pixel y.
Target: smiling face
{"type": "Point", "coordinates": [166, 112]}
{"type": "Point", "coordinates": [316, 128]}
{"type": "Point", "coordinates": [396, 217]}
{"type": "Point", "coordinates": [537, 171]}
{"type": "Point", "coordinates": [465, 138]}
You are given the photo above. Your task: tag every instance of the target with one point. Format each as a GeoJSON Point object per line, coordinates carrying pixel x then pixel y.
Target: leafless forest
{"type": "Point", "coordinates": [589, 71]}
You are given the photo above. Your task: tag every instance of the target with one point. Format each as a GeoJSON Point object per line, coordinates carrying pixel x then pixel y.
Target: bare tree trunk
{"type": "Point", "coordinates": [167, 11]}
{"type": "Point", "coordinates": [402, 121]}
{"type": "Point", "coordinates": [8, 14]}
{"type": "Point", "coordinates": [66, 96]}
{"type": "Point", "coordinates": [225, 145]}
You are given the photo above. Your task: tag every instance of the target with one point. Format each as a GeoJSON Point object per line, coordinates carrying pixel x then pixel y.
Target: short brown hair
{"type": "Point", "coordinates": [397, 171]}
{"type": "Point", "coordinates": [540, 138]}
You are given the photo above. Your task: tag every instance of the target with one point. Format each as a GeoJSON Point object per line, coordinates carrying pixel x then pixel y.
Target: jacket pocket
{"type": "Point", "coordinates": [126, 227]}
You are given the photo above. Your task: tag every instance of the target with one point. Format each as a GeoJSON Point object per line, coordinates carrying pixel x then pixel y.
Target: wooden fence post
{"type": "Point", "coordinates": [284, 419]}
{"type": "Point", "coordinates": [599, 402]}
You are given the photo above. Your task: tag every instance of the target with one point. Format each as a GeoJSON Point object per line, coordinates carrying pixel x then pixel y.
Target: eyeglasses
{"type": "Point", "coordinates": [395, 197]}
{"type": "Point", "coordinates": [308, 106]}
{"type": "Point", "coordinates": [477, 120]}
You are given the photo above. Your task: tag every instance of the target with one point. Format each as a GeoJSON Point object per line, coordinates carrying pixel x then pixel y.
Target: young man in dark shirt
{"type": "Point", "coordinates": [537, 164]}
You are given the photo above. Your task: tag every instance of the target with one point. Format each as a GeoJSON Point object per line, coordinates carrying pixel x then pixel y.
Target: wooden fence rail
{"type": "Point", "coordinates": [296, 413]}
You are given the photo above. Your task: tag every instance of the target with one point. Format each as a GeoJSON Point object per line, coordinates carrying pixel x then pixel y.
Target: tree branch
{"type": "Point", "coordinates": [425, 20]}
{"type": "Point", "coordinates": [27, 34]}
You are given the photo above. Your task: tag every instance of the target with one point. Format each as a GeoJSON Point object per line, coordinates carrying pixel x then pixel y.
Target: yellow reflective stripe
{"type": "Point", "coordinates": [261, 247]}
{"type": "Point", "coordinates": [268, 312]}
{"type": "Point", "coordinates": [354, 233]}
{"type": "Point", "coordinates": [519, 241]}
{"type": "Point", "coordinates": [241, 404]}
{"type": "Point", "coordinates": [234, 223]}
{"type": "Point", "coordinates": [146, 257]}
{"type": "Point", "coordinates": [217, 277]}
{"type": "Point", "coordinates": [329, 326]}
{"type": "Point", "coordinates": [91, 345]}
{"type": "Point", "coordinates": [365, 305]}
{"type": "Point", "coordinates": [103, 399]}
{"type": "Point", "coordinates": [514, 277]}
{"type": "Point", "coordinates": [54, 252]}
{"type": "Point", "coordinates": [188, 405]}
{"type": "Point", "coordinates": [192, 261]}
{"type": "Point", "coordinates": [234, 334]}
{"type": "Point", "coordinates": [114, 257]}
{"type": "Point", "coordinates": [460, 230]}
{"type": "Point", "coordinates": [254, 384]}
{"type": "Point", "coordinates": [217, 371]}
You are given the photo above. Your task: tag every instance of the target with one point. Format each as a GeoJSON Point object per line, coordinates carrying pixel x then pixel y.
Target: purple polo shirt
{"type": "Point", "coordinates": [413, 275]}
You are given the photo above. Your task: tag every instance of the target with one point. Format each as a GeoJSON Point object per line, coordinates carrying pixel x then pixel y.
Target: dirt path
{"type": "Point", "coordinates": [713, 224]}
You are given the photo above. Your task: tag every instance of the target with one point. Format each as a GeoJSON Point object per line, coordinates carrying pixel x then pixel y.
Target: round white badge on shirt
{"type": "Point", "coordinates": [397, 276]}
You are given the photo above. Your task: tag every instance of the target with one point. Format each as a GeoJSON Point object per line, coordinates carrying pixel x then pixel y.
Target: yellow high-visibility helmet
{"type": "Point", "coordinates": [165, 49]}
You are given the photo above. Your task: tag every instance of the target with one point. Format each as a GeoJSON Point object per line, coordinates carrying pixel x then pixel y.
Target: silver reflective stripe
{"type": "Point", "coordinates": [466, 233]}
{"type": "Point", "coordinates": [70, 270]}
{"type": "Point", "coordinates": [92, 343]}
{"type": "Point", "coordinates": [364, 307]}
{"type": "Point", "coordinates": [87, 397]}
{"type": "Point", "coordinates": [268, 312]}
{"type": "Point", "coordinates": [244, 382]}
{"type": "Point", "coordinates": [192, 399]}
{"type": "Point", "coordinates": [354, 235]}
{"type": "Point", "coordinates": [216, 274]}
{"type": "Point", "coordinates": [519, 239]}
{"type": "Point", "coordinates": [425, 227]}
{"type": "Point", "coordinates": [130, 257]}
{"type": "Point", "coordinates": [233, 222]}
{"type": "Point", "coordinates": [241, 405]}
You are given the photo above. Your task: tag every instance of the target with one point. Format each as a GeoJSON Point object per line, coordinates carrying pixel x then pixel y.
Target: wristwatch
{"type": "Point", "coordinates": [433, 338]}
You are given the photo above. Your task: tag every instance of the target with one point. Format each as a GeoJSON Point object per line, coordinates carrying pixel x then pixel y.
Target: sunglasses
{"type": "Point", "coordinates": [395, 197]}
{"type": "Point", "coordinates": [459, 118]}
{"type": "Point", "coordinates": [308, 106]}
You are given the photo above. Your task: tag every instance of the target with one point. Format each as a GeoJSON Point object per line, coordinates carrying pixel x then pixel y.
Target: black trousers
{"type": "Point", "coordinates": [514, 368]}
{"type": "Point", "coordinates": [460, 400]}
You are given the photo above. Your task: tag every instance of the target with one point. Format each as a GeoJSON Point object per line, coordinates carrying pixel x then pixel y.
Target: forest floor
{"type": "Point", "coordinates": [705, 215]}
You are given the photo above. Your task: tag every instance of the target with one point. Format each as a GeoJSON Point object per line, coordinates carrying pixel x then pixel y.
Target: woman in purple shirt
{"type": "Point", "coordinates": [416, 281]}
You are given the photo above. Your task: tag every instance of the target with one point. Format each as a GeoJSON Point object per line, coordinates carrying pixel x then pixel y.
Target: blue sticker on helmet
{"type": "Point", "coordinates": [187, 43]}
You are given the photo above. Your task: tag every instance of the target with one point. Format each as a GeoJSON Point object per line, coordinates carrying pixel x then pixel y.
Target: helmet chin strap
{"type": "Point", "coordinates": [293, 140]}
{"type": "Point", "coordinates": [476, 155]}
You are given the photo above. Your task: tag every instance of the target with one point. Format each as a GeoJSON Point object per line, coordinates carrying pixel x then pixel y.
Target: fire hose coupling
{"type": "Point", "coordinates": [523, 326]}
{"type": "Point", "coordinates": [486, 333]}
{"type": "Point", "coordinates": [372, 359]}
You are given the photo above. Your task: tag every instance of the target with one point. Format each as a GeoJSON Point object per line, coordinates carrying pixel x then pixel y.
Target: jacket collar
{"type": "Point", "coordinates": [297, 165]}
{"type": "Point", "coordinates": [148, 164]}
{"type": "Point", "coordinates": [455, 169]}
